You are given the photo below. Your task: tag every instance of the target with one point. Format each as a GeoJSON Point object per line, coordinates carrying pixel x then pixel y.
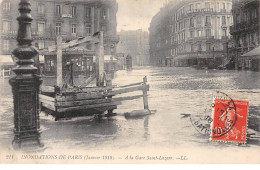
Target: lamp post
{"type": "Point", "coordinates": [25, 85]}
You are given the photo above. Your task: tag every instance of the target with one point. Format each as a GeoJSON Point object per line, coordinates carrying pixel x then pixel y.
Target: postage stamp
{"type": "Point", "coordinates": [229, 120]}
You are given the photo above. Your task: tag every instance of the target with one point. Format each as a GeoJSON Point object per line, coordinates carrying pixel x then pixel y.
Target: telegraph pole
{"type": "Point", "coordinates": [25, 85]}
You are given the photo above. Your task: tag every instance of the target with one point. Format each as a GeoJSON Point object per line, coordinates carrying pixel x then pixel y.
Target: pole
{"type": "Point", "coordinates": [145, 96]}
{"type": "Point", "coordinates": [100, 61]}
{"type": "Point", "coordinates": [59, 61]}
{"type": "Point", "coordinates": [25, 85]}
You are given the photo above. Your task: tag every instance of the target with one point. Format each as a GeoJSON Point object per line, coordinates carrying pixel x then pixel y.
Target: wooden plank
{"type": "Point", "coordinates": [127, 98]}
{"type": "Point", "coordinates": [85, 89]}
{"type": "Point", "coordinates": [80, 96]}
{"type": "Point", "coordinates": [129, 85]}
{"type": "Point", "coordinates": [48, 102]}
{"type": "Point", "coordinates": [87, 107]}
{"type": "Point", "coordinates": [127, 90]}
{"type": "Point", "coordinates": [49, 106]}
{"type": "Point", "coordinates": [90, 79]}
{"type": "Point", "coordinates": [90, 40]}
{"type": "Point", "coordinates": [48, 89]}
{"type": "Point", "coordinates": [95, 101]}
{"type": "Point", "coordinates": [44, 97]}
{"type": "Point", "coordinates": [82, 102]}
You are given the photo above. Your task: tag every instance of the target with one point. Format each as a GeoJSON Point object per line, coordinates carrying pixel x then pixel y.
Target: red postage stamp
{"type": "Point", "coordinates": [229, 120]}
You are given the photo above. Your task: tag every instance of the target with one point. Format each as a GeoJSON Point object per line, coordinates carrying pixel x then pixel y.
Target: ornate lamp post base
{"type": "Point", "coordinates": [26, 112]}
{"type": "Point", "coordinates": [25, 86]}
{"type": "Point", "coordinates": [27, 140]}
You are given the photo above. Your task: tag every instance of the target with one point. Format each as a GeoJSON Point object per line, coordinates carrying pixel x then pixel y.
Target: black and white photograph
{"type": "Point", "coordinates": [129, 81]}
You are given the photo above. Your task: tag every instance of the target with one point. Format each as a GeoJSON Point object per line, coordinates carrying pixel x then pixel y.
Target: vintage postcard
{"type": "Point", "coordinates": [129, 81]}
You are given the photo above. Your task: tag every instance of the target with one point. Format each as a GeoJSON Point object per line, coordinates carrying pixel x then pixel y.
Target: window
{"type": "Point", "coordinates": [223, 6]}
{"type": "Point", "coordinates": [73, 29]}
{"type": "Point", "coordinates": [41, 28]}
{"type": "Point", "coordinates": [103, 14]}
{"type": "Point", "coordinates": [199, 48]}
{"type": "Point", "coordinates": [199, 33]}
{"type": "Point", "coordinates": [192, 48]}
{"type": "Point", "coordinates": [88, 29]}
{"type": "Point", "coordinates": [6, 45]}
{"type": "Point", "coordinates": [197, 5]}
{"type": "Point", "coordinates": [207, 22]}
{"type": "Point", "coordinates": [41, 44]}
{"type": "Point", "coordinates": [199, 20]}
{"type": "Point", "coordinates": [6, 6]}
{"type": "Point", "coordinates": [108, 14]}
{"type": "Point", "coordinates": [208, 46]}
{"type": "Point", "coordinates": [87, 11]}
{"type": "Point", "coordinates": [208, 32]}
{"type": "Point", "coordinates": [58, 10]}
{"type": "Point", "coordinates": [6, 26]}
{"type": "Point", "coordinates": [223, 20]}
{"type": "Point", "coordinates": [191, 7]}
{"type": "Point", "coordinates": [41, 8]}
{"type": "Point", "coordinates": [228, 6]}
{"type": "Point", "coordinates": [192, 34]}
{"type": "Point", "coordinates": [73, 11]}
{"type": "Point", "coordinates": [207, 5]}
{"type": "Point", "coordinates": [228, 20]}
{"type": "Point", "coordinates": [224, 32]}
{"type": "Point", "coordinates": [192, 22]}
{"type": "Point", "coordinates": [58, 28]}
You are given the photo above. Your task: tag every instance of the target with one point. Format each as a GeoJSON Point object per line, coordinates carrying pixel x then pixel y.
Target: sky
{"type": "Point", "coordinates": [136, 14]}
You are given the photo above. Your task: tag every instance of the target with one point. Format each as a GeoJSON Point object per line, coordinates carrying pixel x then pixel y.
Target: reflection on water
{"type": "Point", "coordinates": [173, 91]}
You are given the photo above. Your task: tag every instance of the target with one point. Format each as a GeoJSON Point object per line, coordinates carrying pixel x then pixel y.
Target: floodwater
{"type": "Point", "coordinates": [173, 91]}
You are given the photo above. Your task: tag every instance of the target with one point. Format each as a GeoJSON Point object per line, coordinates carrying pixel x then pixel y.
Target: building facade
{"type": "Point", "coordinates": [135, 43]}
{"type": "Point", "coordinates": [71, 19]}
{"type": "Point", "coordinates": [197, 33]}
{"type": "Point", "coordinates": [246, 33]}
{"type": "Point", "coordinates": [159, 37]}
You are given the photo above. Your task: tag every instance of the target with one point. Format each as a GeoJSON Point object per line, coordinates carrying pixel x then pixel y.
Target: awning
{"type": "Point", "coordinates": [6, 60]}
{"type": "Point", "coordinates": [253, 53]}
{"type": "Point", "coordinates": [107, 58]}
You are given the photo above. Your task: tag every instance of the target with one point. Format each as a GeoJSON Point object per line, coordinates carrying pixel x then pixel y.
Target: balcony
{"type": "Point", "coordinates": [200, 10]}
{"type": "Point", "coordinates": [8, 33]}
{"type": "Point", "coordinates": [201, 38]}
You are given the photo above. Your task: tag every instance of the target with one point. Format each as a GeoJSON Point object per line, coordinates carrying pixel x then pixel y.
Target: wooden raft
{"type": "Point", "coordinates": [87, 99]}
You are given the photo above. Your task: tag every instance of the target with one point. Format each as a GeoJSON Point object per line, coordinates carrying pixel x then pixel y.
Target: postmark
{"type": "Point", "coordinates": [229, 120]}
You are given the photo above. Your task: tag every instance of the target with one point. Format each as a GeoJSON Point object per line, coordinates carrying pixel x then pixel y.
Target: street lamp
{"type": "Point", "coordinates": [25, 85]}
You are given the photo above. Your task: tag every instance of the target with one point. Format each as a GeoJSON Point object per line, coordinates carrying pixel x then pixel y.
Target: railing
{"type": "Point", "coordinates": [200, 38]}
{"type": "Point", "coordinates": [5, 32]}
{"type": "Point", "coordinates": [200, 10]}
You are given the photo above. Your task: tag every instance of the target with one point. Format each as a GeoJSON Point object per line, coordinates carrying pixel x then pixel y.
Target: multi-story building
{"type": "Point", "coordinates": [71, 19]}
{"type": "Point", "coordinates": [198, 32]}
{"type": "Point", "coordinates": [159, 39]}
{"type": "Point", "coordinates": [246, 33]}
{"type": "Point", "coordinates": [135, 43]}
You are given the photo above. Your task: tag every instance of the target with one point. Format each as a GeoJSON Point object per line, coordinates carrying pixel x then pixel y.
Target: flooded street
{"type": "Point", "coordinates": [173, 91]}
